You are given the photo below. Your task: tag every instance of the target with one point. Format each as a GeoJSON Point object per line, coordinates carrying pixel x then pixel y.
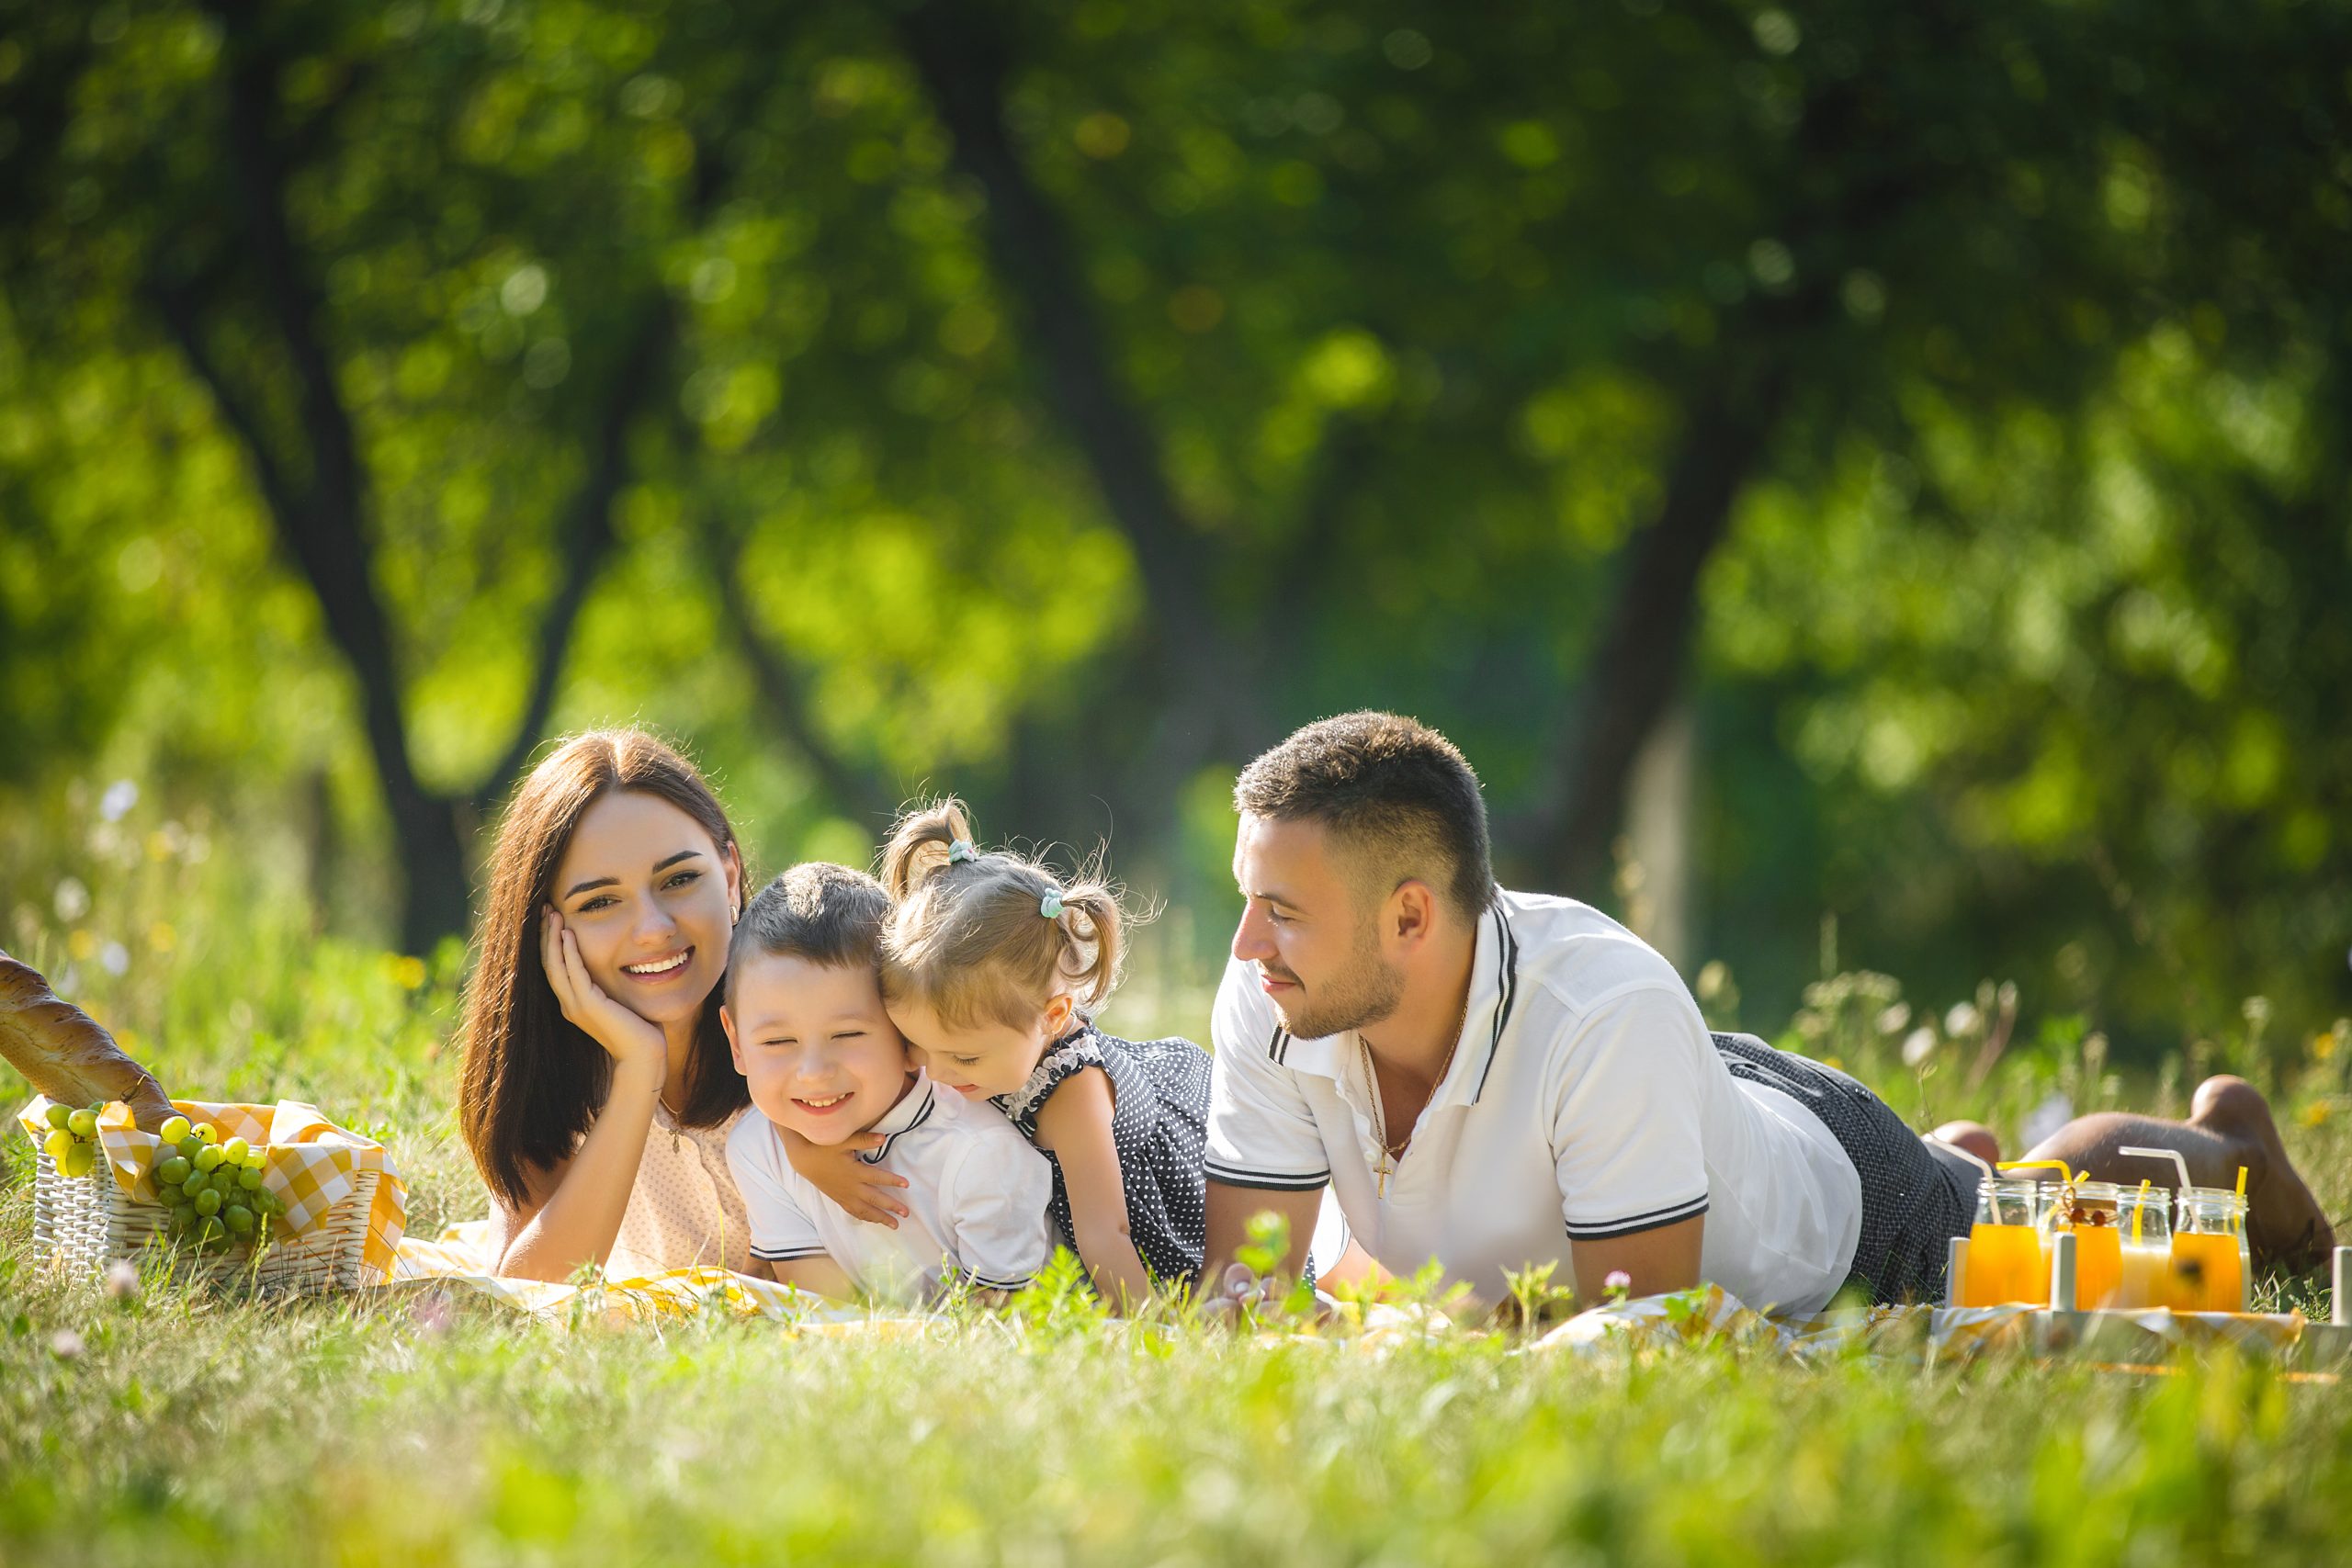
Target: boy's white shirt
{"type": "Point", "coordinates": [981, 1196]}
{"type": "Point", "coordinates": [1585, 1100]}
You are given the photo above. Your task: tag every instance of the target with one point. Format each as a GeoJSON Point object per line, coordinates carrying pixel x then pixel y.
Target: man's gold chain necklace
{"type": "Point", "coordinates": [1390, 1154]}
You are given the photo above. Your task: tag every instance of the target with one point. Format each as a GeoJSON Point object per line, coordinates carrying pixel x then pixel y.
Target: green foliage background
{"type": "Point", "coordinates": [1983, 368]}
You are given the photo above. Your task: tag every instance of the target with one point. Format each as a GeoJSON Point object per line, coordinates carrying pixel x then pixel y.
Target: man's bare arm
{"type": "Point", "coordinates": [1663, 1259]}
{"type": "Point", "coordinates": [1230, 1209]}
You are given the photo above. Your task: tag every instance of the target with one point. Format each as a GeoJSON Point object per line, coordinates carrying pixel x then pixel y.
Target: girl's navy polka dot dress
{"type": "Point", "coordinates": [1159, 1125]}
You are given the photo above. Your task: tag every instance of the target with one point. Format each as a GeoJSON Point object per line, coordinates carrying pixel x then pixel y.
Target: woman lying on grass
{"type": "Point", "coordinates": [597, 1091]}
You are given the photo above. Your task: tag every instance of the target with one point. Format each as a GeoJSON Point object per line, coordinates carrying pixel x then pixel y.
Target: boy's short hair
{"type": "Point", "coordinates": [824, 913]}
{"type": "Point", "coordinates": [1398, 796]}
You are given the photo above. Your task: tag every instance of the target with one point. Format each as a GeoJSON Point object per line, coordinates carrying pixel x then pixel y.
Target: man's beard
{"type": "Point", "coordinates": [1360, 995]}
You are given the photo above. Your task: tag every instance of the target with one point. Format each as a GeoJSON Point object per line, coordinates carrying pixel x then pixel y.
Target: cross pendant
{"type": "Point", "coordinates": [1381, 1173]}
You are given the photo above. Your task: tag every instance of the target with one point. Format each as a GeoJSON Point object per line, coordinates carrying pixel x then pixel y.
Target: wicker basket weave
{"type": "Point", "coordinates": [83, 1222]}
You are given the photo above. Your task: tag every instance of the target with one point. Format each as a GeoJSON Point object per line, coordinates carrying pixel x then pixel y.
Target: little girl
{"type": "Point", "coordinates": [993, 969]}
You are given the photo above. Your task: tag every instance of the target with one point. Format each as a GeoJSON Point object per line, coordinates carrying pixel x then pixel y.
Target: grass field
{"type": "Point", "coordinates": [177, 1426]}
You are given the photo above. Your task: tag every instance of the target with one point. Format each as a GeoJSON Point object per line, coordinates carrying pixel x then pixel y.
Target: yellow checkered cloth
{"type": "Point", "coordinates": [460, 1258]}
{"type": "Point", "coordinates": [312, 1163]}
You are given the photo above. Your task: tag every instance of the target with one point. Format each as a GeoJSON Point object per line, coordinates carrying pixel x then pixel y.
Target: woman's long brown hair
{"type": "Point", "coordinates": [532, 1080]}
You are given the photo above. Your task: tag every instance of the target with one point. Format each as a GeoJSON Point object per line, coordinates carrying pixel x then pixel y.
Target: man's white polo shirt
{"type": "Point", "coordinates": [980, 1194]}
{"type": "Point", "coordinates": [1585, 1101]}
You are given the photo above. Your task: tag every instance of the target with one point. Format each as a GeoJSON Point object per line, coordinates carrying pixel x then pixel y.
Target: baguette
{"type": "Point", "coordinates": [63, 1052]}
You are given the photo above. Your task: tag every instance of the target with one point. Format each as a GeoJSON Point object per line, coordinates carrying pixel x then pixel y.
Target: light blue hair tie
{"type": "Point", "coordinates": [961, 849]}
{"type": "Point", "coordinates": [1050, 905]}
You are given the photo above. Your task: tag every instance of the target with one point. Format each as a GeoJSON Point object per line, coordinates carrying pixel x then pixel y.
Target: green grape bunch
{"type": "Point", "coordinates": [72, 1141]}
{"type": "Point", "coordinates": [213, 1189]}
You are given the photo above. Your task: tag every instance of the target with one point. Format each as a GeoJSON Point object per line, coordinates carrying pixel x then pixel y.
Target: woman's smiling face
{"type": "Point", "coordinates": [650, 902]}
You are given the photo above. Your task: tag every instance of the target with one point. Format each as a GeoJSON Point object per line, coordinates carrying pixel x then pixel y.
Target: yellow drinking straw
{"type": "Point", "coordinates": [2239, 1218]}
{"type": "Point", "coordinates": [2241, 1182]}
{"type": "Point", "coordinates": [2057, 1165]}
{"type": "Point", "coordinates": [2139, 1209]}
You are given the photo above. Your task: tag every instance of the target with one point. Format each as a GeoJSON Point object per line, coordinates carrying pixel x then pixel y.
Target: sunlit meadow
{"type": "Point", "coordinates": [160, 1423]}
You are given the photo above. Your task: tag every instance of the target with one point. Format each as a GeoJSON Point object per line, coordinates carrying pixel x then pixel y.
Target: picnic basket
{"type": "Point", "coordinates": [346, 1203]}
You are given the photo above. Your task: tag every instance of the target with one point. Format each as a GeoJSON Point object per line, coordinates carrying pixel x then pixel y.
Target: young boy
{"type": "Point", "coordinates": [803, 1015]}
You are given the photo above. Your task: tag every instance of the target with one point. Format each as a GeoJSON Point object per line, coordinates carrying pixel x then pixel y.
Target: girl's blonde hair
{"type": "Point", "coordinates": [969, 938]}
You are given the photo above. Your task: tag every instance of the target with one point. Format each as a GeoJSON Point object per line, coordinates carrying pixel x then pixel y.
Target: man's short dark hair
{"type": "Point", "coordinates": [825, 913]}
{"type": "Point", "coordinates": [1391, 789]}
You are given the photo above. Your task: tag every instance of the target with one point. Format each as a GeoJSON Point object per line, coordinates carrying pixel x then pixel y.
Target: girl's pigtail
{"type": "Point", "coordinates": [921, 844]}
{"type": "Point", "coordinates": [1096, 934]}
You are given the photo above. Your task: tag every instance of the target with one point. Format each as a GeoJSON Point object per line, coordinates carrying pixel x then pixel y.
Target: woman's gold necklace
{"type": "Point", "coordinates": [1391, 1153]}
{"type": "Point", "coordinates": [676, 1116]}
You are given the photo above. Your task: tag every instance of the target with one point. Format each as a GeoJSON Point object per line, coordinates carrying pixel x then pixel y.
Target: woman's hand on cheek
{"type": "Point", "coordinates": [624, 1036]}
{"type": "Point", "coordinates": [867, 1193]}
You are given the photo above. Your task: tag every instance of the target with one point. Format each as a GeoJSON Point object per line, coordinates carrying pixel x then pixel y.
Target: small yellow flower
{"type": "Point", "coordinates": [161, 938]}
{"type": "Point", "coordinates": [2315, 1114]}
{"type": "Point", "coordinates": [2322, 1046]}
{"type": "Point", "coordinates": [82, 944]}
{"type": "Point", "coordinates": [408, 971]}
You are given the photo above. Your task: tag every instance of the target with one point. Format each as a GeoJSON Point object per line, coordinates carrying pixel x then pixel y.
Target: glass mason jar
{"type": "Point", "coordinates": [2210, 1264]}
{"type": "Point", "coordinates": [2008, 1261]}
{"type": "Point", "coordinates": [2087, 1210]}
{"type": "Point", "coordinates": [2143, 1230]}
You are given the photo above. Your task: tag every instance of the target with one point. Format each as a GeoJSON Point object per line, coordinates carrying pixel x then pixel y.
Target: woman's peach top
{"type": "Point", "coordinates": [683, 1210]}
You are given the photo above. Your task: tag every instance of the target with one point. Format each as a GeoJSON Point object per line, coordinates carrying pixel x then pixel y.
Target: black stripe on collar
{"type": "Point", "coordinates": [930, 1103]}
{"type": "Point", "coordinates": [1505, 989]}
{"type": "Point", "coordinates": [1278, 1046]}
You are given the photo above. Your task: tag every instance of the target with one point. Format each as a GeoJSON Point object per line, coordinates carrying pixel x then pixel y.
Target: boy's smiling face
{"type": "Point", "coordinates": [815, 1045]}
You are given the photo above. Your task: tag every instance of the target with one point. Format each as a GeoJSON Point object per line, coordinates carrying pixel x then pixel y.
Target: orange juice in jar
{"type": "Point", "coordinates": [2088, 1210]}
{"type": "Point", "coordinates": [2144, 1229]}
{"type": "Point", "coordinates": [2209, 1262]}
{"type": "Point", "coordinates": [2007, 1261]}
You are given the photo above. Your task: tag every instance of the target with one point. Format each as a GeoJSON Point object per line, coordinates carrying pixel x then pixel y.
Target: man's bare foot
{"type": "Point", "coordinates": [1973, 1137]}
{"type": "Point", "coordinates": [2285, 1225]}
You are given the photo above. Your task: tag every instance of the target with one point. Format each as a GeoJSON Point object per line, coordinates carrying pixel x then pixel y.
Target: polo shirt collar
{"type": "Point", "coordinates": [1494, 990]}
{"type": "Point", "coordinates": [914, 1109]}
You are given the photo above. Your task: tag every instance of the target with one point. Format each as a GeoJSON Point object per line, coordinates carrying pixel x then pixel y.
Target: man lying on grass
{"type": "Point", "coordinates": [1499, 1079]}
{"type": "Point", "coordinates": [805, 1017]}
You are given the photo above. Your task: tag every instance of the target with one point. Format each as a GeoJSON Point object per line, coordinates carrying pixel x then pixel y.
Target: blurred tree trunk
{"type": "Point", "coordinates": [315, 483]}
{"type": "Point", "coordinates": [1655, 876]}
{"type": "Point", "coordinates": [863, 795]}
{"type": "Point", "coordinates": [1185, 674]}
{"type": "Point", "coordinates": [584, 539]}
{"type": "Point", "coordinates": [1636, 666]}
{"type": "Point", "coordinates": [1206, 700]}
{"type": "Point", "coordinates": [318, 498]}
